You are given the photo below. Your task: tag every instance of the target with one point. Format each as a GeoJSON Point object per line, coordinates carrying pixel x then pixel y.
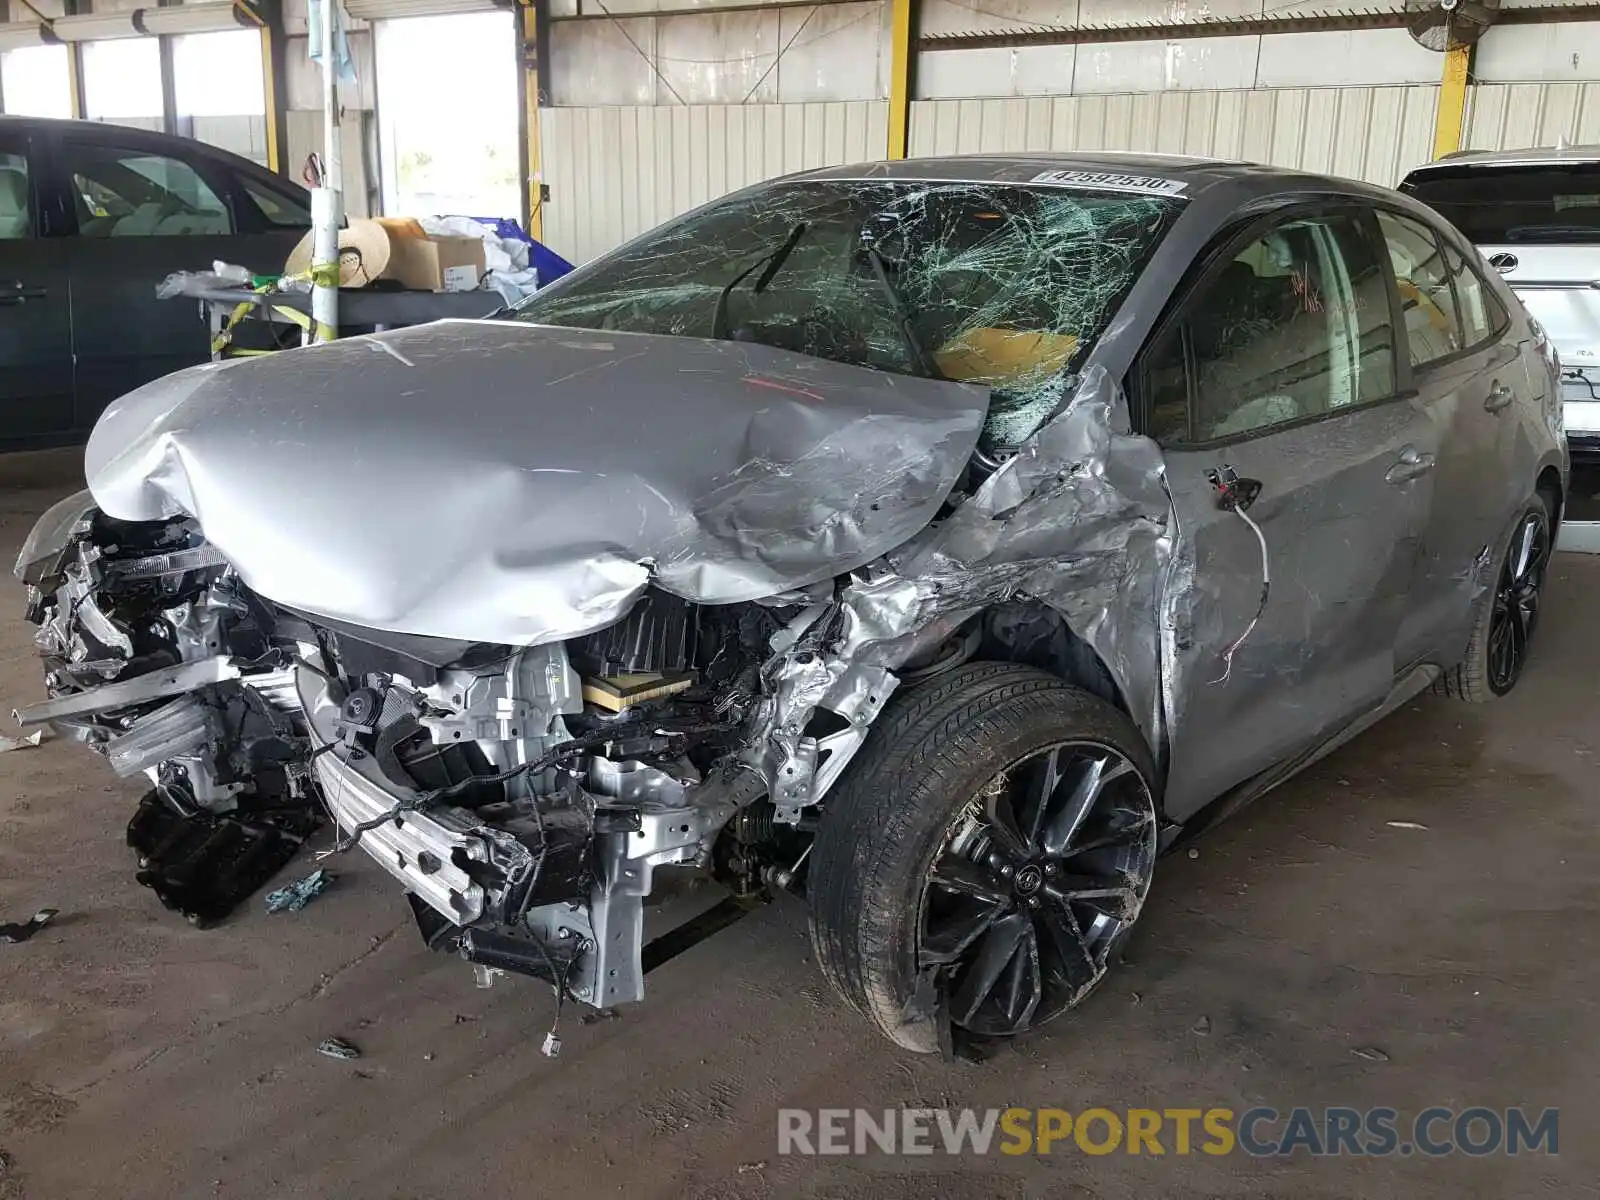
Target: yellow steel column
{"type": "Point", "coordinates": [1451, 121]}
{"type": "Point", "coordinates": [531, 91]}
{"type": "Point", "coordinates": [269, 82]}
{"type": "Point", "coordinates": [900, 32]}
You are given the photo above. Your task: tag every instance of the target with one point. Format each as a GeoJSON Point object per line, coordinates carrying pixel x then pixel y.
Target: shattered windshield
{"type": "Point", "coordinates": [988, 283]}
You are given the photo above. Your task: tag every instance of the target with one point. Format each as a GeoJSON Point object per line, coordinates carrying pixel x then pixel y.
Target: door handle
{"type": "Point", "coordinates": [17, 294]}
{"type": "Point", "coordinates": [1499, 397]}
{"type": "Point", "coordinates": [1411, 464]}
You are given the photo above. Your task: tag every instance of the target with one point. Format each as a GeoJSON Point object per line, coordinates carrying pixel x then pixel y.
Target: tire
{"type": "Point", "coordinates": [1515, 595]}
{"type": "Point", "coordinates": [947, 765]}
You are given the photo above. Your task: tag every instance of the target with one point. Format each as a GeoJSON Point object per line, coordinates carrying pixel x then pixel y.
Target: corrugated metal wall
{"type": "Point", "coordinates": [242, 134]}
{"type": "Point", "coordinates": [1372, 133]}
{"type": "Point", "coordinates": [614, 172]}
{"type": "Point", "coordinates": [1357, 103]}
{"type": "Point", "coordinates": [1509, 116]}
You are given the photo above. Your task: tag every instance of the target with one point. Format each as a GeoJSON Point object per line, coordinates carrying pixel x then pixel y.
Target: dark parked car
{"type": "Point", "coordinates": [92, 218]}
{"type": "Point", "coordinates": [941, 539]}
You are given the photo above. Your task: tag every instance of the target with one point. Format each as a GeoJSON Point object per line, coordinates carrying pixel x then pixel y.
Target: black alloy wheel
{"type": "Point", "coordinates": [984, 856]}
{"type": "Point", "coordinates": [1517, 596]}
{"type": "Point", "coordinates": [1039, 877]}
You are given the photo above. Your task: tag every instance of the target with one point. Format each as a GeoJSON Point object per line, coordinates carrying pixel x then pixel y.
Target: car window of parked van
{"type": "Point", "coordinates": [16, 211]}
{"type": "Point", "coordinates": [136, 193]}
{"type": "Point", "coordinates": [277, 209]}
{"type": "Point", "coordinates": [1537, 204]}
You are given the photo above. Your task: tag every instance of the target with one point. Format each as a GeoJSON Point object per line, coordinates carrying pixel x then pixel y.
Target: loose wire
{"type": "Point", "coordinates": [1261, 606]}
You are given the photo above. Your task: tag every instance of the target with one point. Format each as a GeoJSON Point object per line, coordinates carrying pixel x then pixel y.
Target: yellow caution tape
{"type": "Point", "coordinates": [224, 337]}
{"type": "Point", "coordinates": [323, 274]}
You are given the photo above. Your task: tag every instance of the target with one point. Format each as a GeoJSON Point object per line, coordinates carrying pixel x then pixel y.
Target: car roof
{"type": "Point", "coordinates": [14, 121]}
{"type": "Point", "coordinates": [1535, 156]}
{"type": "Point", "coordinates": [132, 135]}
{"type": "Point", "coordinates": [1196, 174]}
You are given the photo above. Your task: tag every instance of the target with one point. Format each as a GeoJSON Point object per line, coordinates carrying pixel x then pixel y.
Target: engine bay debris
{"type": "Point", "coordinates": [340, 1048]}
{"type": "Point", "coordinates": [21, 931]}
{"type": "Point", "coordinates": [300, 893]}
{"type": "Point", "coordinates": [21, 743]}
{"type": "Point", "coordinates": [205, 864]}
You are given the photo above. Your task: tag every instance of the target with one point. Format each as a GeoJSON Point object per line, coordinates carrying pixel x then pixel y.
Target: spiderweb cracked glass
{"type": "Point", "coordinates": [1004, 285]}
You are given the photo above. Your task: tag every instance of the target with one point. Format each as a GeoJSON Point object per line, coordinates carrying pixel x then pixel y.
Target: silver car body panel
{"type": "Point", "coordinates": [53, 530]}
{"type": "Point", "coordinates": [1079, 521]}
{"type": "Point", "coordinates": [173, 681]}
{"type": "Point", "coordinates": [514, 483]}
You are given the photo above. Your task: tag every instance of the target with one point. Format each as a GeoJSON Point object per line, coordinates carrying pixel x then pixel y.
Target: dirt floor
{"type": "Point", "coordinates": [1312, 953]}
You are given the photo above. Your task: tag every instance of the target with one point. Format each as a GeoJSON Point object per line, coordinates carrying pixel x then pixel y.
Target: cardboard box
{"type": "Point", "coordinates": [436, 264]}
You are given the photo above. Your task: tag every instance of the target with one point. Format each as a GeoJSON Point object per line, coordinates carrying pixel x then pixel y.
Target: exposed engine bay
{"type": "Point", "coordinates": [524, 796]}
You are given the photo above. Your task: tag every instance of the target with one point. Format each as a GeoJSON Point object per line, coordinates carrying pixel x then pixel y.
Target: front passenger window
{"type": "Point", "coordinates": [1293, 327]}
{"type": "Point", "coordinates": [135, 193]}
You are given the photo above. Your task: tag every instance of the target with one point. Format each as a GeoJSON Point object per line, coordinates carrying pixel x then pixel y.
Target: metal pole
{"type": "Point", "coordinates": [272, 78]}
{"type": "Point", "coordinates": [1451, 119]}
{"type": "Point", "coordinates": [327, 201]}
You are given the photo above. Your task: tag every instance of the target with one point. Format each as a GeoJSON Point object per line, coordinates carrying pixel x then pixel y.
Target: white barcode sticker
{"type": "Point", "coordinates": [1111, 181]}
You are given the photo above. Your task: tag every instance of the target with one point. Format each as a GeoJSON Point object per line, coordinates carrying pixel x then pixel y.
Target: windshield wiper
{"type": "Point", "coordinates": [773, 262]}
{"type": "Point", "coordinates": [902, 314]}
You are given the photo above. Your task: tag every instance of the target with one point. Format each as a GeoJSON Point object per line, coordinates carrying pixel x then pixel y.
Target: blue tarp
{"type": "Point", "coordinates": [550, 265]}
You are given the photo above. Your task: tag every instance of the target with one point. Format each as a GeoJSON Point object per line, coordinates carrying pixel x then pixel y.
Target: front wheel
{"type": "Point", "coordinates": [985, 856]}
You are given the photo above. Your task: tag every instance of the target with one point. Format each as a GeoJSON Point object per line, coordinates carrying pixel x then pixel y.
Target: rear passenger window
{"type": "Point", "coordinates": [1433, 324]}
{"type": "Point", "coordinates": [1294, 327]}
{"type": "Point", "coordinates": [277, 208]}
{"type": "Point", "coordinates": [134, 193]}
{"type": "Point", "coordinates": [1481, 314]}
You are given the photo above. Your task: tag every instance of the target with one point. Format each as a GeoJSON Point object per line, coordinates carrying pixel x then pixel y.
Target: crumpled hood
{"type": "Point", "coordinates": [505, 482]}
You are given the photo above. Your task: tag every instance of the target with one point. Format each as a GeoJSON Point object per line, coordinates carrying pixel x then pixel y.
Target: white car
{"type": "Point", "coordinates": [1535, 215]}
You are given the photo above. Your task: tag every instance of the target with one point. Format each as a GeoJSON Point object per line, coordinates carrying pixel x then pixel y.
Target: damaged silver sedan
{"type": "Point", "coordinates": [938, 540]}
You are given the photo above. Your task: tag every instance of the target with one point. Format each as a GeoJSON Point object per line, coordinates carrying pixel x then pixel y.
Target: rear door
{"type": "Point", "coordinates": [1468, 377]}
{"type": "Point", "coordinates": [35, 311]}
{"type": "Point", "coordinates": [144, 208]}
{"type": "Point", "coordinates": [1281, 365]}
